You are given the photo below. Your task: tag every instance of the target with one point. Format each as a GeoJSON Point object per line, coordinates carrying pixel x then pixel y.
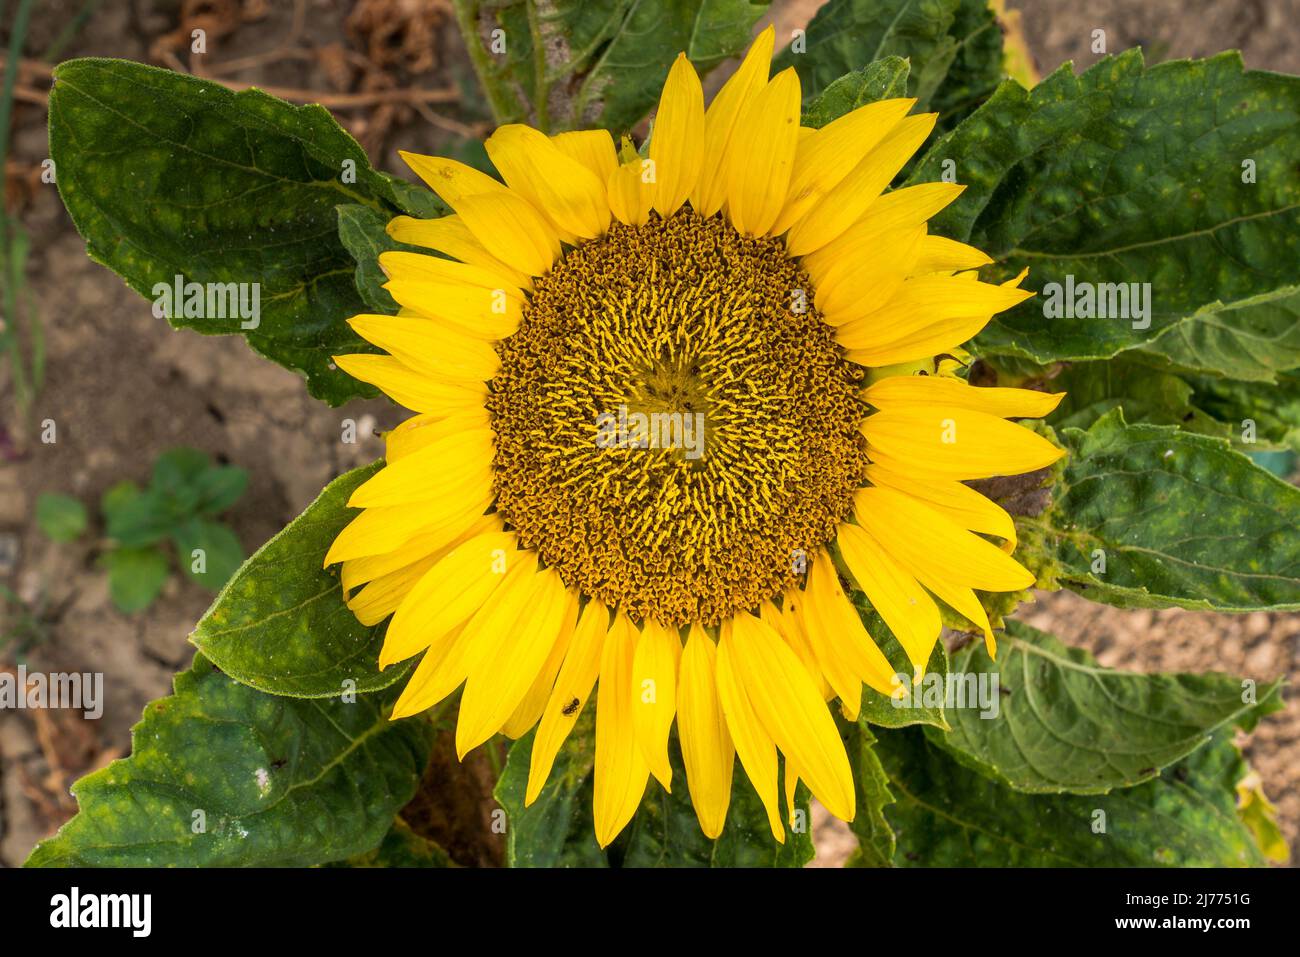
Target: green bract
{"type": "Point", "coordinates": [1180, 175]}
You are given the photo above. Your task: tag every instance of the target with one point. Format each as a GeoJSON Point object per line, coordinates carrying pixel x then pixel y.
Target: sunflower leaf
{"type": "Point", "coordinates": [884, 79]}
{"type": "Point", "coordinates": [1151, 516]}
{"type": "Point", "coordinates": [168, 175]}
{"type": "Point", "coordinates": [401, 847]}
{"type": "Point", "coordinates": [1059, 722]}
{"type": "Point", "coordinates": [666, 833]}
{"type": "Point", "coordinates": [876, 839]}
{"type": "Point", "coordinates": [1155, 208]}
{"type": "Point", "coordinates": [954, 48]}
{"type": "Point", "coordinates": [280, 625]}
{"type": "Point", "coordinates": [947, 815]}
{"type": "Point", "coordinates": [364, 232]}
{"type": "Point", "coordinates": [556, 830]}
{"type": "Point", "coordinates": [223, 775]}
{"type": "Point", "coordinates": [571, 64]}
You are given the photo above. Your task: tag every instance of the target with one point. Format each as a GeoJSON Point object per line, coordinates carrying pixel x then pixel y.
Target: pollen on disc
{"type": "Point", "coordinates": [717, 335]}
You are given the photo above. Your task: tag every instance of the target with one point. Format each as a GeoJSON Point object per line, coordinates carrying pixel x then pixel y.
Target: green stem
{"type": "Point", "coordinates": [541, 95]}
{"type": "Point", "coordinates": [467, 19]}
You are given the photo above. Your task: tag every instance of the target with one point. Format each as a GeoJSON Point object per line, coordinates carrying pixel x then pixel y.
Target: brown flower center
{"type": "Point", "coordinates": [676, 428]}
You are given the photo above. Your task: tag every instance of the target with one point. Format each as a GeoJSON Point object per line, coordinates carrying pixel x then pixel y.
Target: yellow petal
{"type": "Point", "coordinates": [789, 627]}
{"type": "Point", "coordinates": [923, 303]}
{"type": "Point", "coordinates": [707, 749]}
{"type": "Point", "coordinates": [954, 443]}
{"type": "Point", "coordinates": [721, 119]}
{"type": "Point", "coordinates": [933, 547]}
{"type": "Point", "coordinates": [449, 178]}
{"type": "Point", "coordinates": [841, 678]}
{"type": "Point", "coordinates": [829, 154]}
{"type": "Point", "coordinates": [621, 770]}
{"type": "Point", "coordinates": [453, 469]}
{"type": "Point", "coordinates": [508, 658]}
{"type": "Point", "coordinates": [753, 743]}
{"type": "Point", "coordinates": [594, 149]}
{"type": "Point", "coordinates": [762, 155]}
{"type": "Point", "coordinates": [450, 593]}
{"type": "Point", "coordinates": [477, 312]}
{"type": "Point", "coordinates": [562, 189]}
{"type": "Point", "coordinates": [848, 291]}
{"type": "Point", "coordinates": [403, 264]}
{"type": "Point", "coordinates": [908, 611]}
{"type": "Point", "coordinates": [851, 196]}
{"type": "Point", "coordinates": [940, 254]}
{"type": "Point", "coordinates": [838, 635]}
{"type": "Point", "coordinates": [382, 595]}
{"type": "Point", "coordinates": [896, 392]}
{"type": "Point", "coordinates": [379, 530]}
{"type": "Point", "coordinates": [794, 715]}
{"type": "Point", "coordinates": [451, 236]}
{"type": "Point", "coordinates": [358, 571]}
{"type": "Point", "coordinates": [569, 695]}
{"type": "Point", "coordinates": [529, 710]}
{"type": "Point", "coordinates": [449, 658]}
{"type": "Point", "coordinates": [654, 688]}
{"type": "Point", "coordinates": [631, 192]}
{"type": "Point", "coordinates": [424, 346]}
{"type": "Point", "coordinates": [420, 431]}
{"type": "Point", "coordinates": [415, 390]}
{"type": "Point", "coordinates": [511, 230]}
{"type": "Point", "coordinates": [899, 209]}
{"type": "Point", "coordinates": [961, 503]}
{"type": "Point", "coordinates": [677, 137]}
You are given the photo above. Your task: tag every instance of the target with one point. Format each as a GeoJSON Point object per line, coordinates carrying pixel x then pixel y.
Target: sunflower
{"type": "Point", "coordinates": [672, 411]}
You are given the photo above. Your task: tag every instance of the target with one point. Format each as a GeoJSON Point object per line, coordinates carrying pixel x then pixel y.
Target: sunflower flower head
{"type": "Point", "coordinates": [671, 413]}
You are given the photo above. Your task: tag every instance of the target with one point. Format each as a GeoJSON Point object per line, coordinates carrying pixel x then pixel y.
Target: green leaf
{"type": "Point", "coordinates": [177, 469]}
{"type": "Point", "coordinates": [883, 80]}
{"type": "Point", "coordinates": [135, 577]}
{"type": "Point", "coordinates": [166, 174]}
{"type": "Point", "coordinates": [1273, 408]}
{"type": "Point", "coordinates": [142, 518]}
{"type": "Point", "coordinates": [220, 487]}
{"type": "Point", "coordinates": [1254, 339]}
{"type": "Point", "coordinates": [746, 840]}
{"type": "Point", "coordinates": [1147, 395]}
{"type": "Point", "coordinates": [280, 625]}
{"type": "Point", "coordinates": [1132, 175]}
{"type": "Point", "coordinates": [61, 518]}
{"type": "Point", "coordinates": [876, 839]}
{"type": "Point", "coordinates": [949, 816]}
{"type": "Point", "coordinates": [401, 847]}
{"type": "Point", "coordinates": [557, 829]}
{"type": "Point", "coordinates": [579, 64]}
{"type": "Point", "coordinates": [954, 47]}
{"type": "Point", "coordinates": [1150, 516]}
{"type": "Point", "coordinates": [204, 544]}
{"type": "Point", "coordinates": [116, 497]}
{"type": "Point", "coordinates": [883, 710]}
{"type": "Point", "coordinates": [364, 232]}
{"type": "Point", "coordinates": [278, 781]}
{"type": "Point", "coordinates": [1059, 722]}
{"type": "Point", "coordinates": [666, 832]}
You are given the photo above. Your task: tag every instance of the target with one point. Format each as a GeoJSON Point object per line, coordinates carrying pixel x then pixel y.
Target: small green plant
{"type": "Point", "coordinates": [185, 494]}
{"type": "Point", "coordinates": [23, 625]}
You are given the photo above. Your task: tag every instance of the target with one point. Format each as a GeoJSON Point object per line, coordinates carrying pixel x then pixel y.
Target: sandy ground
{"type": "Point", "coordinates": [122, 388]}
